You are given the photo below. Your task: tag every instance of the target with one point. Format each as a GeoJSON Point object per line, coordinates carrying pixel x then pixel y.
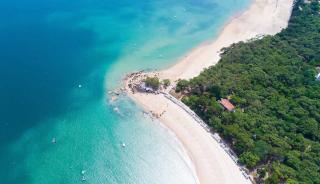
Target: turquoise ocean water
{"type": "Point", "coordinates": [50, 47]}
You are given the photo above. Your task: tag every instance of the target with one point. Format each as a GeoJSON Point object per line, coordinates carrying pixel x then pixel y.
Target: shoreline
{"type": "Point", "coordinates": [262, 17]}
{"type": "Point", "coordinates": [211, 161]}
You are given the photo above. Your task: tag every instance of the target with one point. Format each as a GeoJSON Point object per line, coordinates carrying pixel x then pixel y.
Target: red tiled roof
{"type": "Point", "coordinates": [227, 104]}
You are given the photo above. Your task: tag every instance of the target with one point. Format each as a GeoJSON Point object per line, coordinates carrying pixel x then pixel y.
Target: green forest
{"type": "Point", "coordinates": [275, 129]}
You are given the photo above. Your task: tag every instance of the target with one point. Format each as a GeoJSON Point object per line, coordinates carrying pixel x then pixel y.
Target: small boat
{"type": "Point", "coordinates": [123, 145]}
{"type": "Point", "coordinates": [83, 172]}
{"type": "Point", "coordinates": [116, 109]}
{"type": "Point", "coordinates": [83, 178]}
{"type": "Point", "coordinates": [79, 86]}
{"type": "Point", "coordinates": [54, 140]}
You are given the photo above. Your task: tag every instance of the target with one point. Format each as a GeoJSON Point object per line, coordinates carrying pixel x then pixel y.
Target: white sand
{"type": "Point", "coordinates": [264, 17]}
{"type": "Point", "coordinates": [212, 163]}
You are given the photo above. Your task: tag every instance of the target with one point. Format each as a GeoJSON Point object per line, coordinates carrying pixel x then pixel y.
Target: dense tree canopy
{"type": "Point", "coordinates": [275, 129]}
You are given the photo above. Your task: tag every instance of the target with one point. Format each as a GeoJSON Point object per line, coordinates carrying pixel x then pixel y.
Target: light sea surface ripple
{"type": "Point", "coordinates": [59, 58]}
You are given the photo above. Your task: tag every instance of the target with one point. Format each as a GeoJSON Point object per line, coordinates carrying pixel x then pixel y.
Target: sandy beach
{"type": "Point", "coordinates": [264, 17]}
{"type": "Point", "coordinates": [211, 161]}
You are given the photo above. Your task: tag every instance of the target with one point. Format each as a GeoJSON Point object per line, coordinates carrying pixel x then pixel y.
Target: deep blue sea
{"type": "Point", "coordinates": [57, 60]}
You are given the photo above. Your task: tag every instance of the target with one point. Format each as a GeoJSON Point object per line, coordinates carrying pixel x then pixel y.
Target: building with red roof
{"type": "Point", "coordinates": [227, 104]}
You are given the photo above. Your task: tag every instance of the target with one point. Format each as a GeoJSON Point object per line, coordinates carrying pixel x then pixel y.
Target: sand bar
{"type": "Point", "coordinates": [211, 161]}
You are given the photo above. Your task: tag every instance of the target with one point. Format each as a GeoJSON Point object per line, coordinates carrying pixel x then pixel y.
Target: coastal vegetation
{"type": "Point", "coordinates": [152, 82]}
{"type": "Point", "coordinates": [275, 129]}
{"type": "Point", "coordinates": [166, 82]}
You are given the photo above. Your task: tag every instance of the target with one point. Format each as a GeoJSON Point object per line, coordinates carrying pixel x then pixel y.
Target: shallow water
{"type": "Point", "coordinates": [49, 48]}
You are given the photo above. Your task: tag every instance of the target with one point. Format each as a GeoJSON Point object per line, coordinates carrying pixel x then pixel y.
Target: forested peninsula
{"type": "Point", "coordinates": [272, 84]}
